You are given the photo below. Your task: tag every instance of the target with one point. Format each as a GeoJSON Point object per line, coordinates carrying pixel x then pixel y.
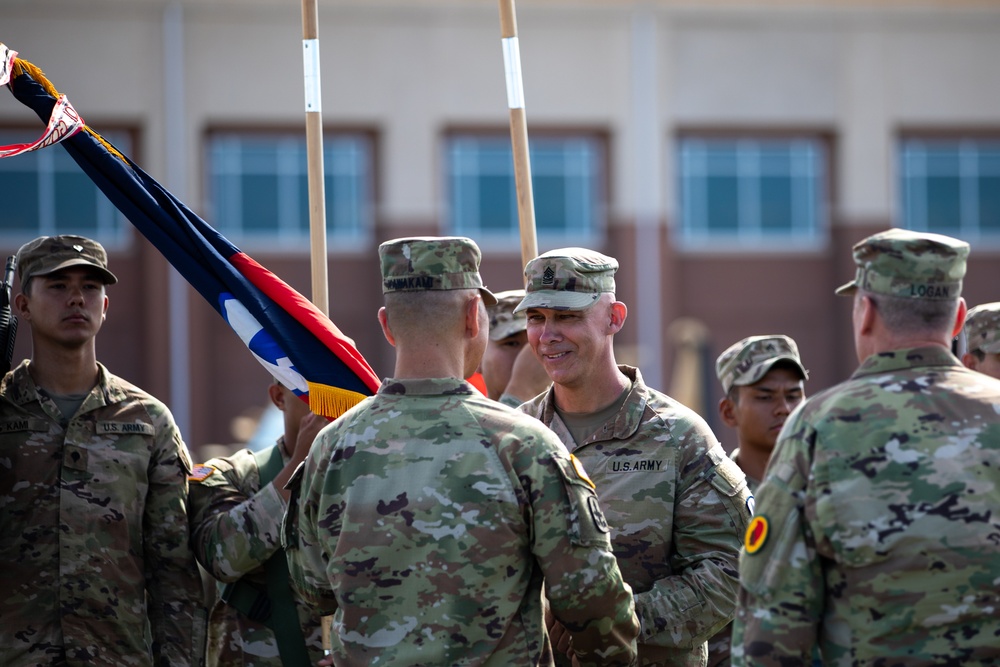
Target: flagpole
{"type": "Point", "coordinates": [314, 153]}
{"type": "Point", "coordinates": [518, 131]}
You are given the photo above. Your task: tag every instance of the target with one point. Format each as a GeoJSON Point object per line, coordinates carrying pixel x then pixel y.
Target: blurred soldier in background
{"type": "Point", "coordinates": [982, 339]}
{"type": "Point", "coordinates": [510, 369]}
{"type": "Point", "coordinates": [762, 377]}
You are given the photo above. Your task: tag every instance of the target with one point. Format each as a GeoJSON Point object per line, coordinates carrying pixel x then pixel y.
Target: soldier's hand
{"type": "Point", "coordinates": [558, 635]}
{"type": "Point", "coordinates": [309, 426]}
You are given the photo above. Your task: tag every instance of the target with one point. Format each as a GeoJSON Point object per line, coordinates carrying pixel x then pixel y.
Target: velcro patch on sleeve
{"type": "Point", "coordinates": [200, 473]}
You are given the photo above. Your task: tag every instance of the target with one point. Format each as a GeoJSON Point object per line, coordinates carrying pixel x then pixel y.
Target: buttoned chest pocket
{"type": "Point", "coordinates": [113, 467]}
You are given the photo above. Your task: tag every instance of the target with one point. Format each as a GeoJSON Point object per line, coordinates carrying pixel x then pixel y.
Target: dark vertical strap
{"type": "Point", "coordinates": [284, 620]}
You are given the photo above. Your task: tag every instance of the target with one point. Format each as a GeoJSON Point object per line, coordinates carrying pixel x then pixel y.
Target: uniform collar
{"type": "Point", "coordinates": [905, 358]}
{"type": "Point", "coordinates": [426, 387]}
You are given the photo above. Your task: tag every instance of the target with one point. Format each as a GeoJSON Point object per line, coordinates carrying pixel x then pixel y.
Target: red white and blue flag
{"type": "Point", "coordinates": [288, 335]}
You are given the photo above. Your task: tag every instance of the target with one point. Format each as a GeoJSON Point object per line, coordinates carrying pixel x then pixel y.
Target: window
{"type": "Point", "coordinates": [753, 191]}
{"type": "Point", "coordinates": [951, 186]}
{"type": "Point", "coordinates": [567, 179]}
{"type": "Point", "coordinates": [259, 192]}
{"type": "Point", "coordinates": [46, 193]}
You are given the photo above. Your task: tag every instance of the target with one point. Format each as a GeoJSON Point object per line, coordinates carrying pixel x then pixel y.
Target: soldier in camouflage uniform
{"type": "Point", "coordinates": [511, 372]}
{"type": "Point", "coordinates": [95, 563]}
{"type": "Point", "coordinates": [677, 505]}
{"type": "Point", "coordinates": [236, 530]}
{"type": "Point", "coordinates": [429, 514]}
{"type": "Point", "coordinates": [875, 536]}
{"type": "Point", "coordinates": [982, 337]}
{"type": "Point", "coordinates": [762, 377]}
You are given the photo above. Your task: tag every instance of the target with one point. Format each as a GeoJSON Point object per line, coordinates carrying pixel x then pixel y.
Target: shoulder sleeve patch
{"type": "Point", "coordinates": [580, 472]}
{"type": "Point", "coordinates": [756, 534]}
{"type": "Point", "coordinates": [200, 473]}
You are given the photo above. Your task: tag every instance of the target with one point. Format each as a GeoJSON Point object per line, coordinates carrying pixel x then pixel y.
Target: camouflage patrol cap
{"type": "Point", "coordinates": [48, 254]}
{"type": "Point", "coordinates": [982, 328]}
{"type": "Point", "coordinates": [504, 321]}
{"type": "Point", "coordinates": [424, 263]}
{"type": "Point", "coordinates": [912, 265]}
{"type": "Point", "coordinates": [568, 279]}
{"type": "Point", "coordinates": [747, 361]}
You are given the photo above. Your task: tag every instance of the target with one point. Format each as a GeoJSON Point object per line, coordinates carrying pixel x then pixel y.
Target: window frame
{"type": "Point", "coordinates": [122, 234]}
{"type": "Point", "coordinates": [753, 241]}
{"type": "Point", "coordinates": [289, 241]}
{"type": "Point", "coordinates": [510, 240]}
{"type": "Point", "coordinates": [954, 136]}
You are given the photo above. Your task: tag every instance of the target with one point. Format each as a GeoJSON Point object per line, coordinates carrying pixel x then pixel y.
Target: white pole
{"type": "Point", "coordinates": [176, 170]}
{"type": "Point", "coordinates": [647, 147]}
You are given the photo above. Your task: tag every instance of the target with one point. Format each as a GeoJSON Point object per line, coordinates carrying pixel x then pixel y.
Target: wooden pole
{"type": "Point", "coordinates": [518, 131]}
{"type": "Point", "coordinates": [316, 186]}
{"type": "Point", "coordinates": [314, 153]}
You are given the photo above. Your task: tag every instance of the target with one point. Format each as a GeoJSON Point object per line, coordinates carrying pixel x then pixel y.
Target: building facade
{"type": "Point", "coordinates": [728, 153]}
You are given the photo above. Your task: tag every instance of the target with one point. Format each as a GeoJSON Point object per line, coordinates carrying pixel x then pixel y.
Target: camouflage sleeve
{"type": "Point", "coordinates": [306, 561]}
{"type": "Point", "coordinates": [233, 533]}
{"type": "Point", "coordinates": [584, 586]}
{"type": "Point", "coordinates": [510, 401]}
{"type": "Point", "coordinates": [176, 618]}
{"type": "Point", "coordinates": [711, 513]}
{"type": "Point", "coordinates": [782, 587]}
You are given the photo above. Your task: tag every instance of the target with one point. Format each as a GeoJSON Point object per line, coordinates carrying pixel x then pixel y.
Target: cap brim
{"type": "Point", "coordinates": [109, 278]}
{"type": "Point", "coordinates": [489, 298]}
{"type": "Point", "coordinates": [756, 372]}
{"type": "Point", "coordinates": [558, 300]}
{"type": "Point", "coordinates": [848, 289]}
{"type": "Point", "coordinates": [507, 329]}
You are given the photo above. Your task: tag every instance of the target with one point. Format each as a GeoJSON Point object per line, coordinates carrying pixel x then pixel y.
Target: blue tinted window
{"type": "Point", "coordinates": [567, 180]}
{"type": "Point", "coordinates": [45, 193]}
{"type": "Point", "coordinates": [951, 186]}
{"type": "Point", "coordinates": [750, 190]}
{"type": "Point", "coordinates": [259, 191]}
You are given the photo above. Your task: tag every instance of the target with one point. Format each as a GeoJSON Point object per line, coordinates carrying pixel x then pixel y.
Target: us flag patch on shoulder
{"type": "Point", "coordinates": [200, 473]}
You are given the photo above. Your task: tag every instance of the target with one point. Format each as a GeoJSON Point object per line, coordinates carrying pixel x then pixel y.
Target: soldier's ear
{"type": "Point", "coordinates": [472, 323]}
{"type": "Point", "coordinates": [276, 395]}
{"type": "Point", "coordinates": [727, 412]}
{"type": "Point", "coordinates": [21, 304]}
{"type": "Point", "coordinates": [618, 314]}
{"type": "Point", "coordinates": [969, 360]}
{"type": "Point", "coordinates": [383, 320]}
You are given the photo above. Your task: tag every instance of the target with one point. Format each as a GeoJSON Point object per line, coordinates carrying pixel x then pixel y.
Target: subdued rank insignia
{"type": "Point", "coordinates": [580, 472]}
{"type": "Point", "coordinates": [200, 473]}
{"type": "Point", "coordinates": [756, 534]}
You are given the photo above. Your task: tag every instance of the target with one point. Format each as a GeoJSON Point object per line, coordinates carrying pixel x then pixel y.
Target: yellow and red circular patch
{"type": "Point", "coordinates": [756, 534]}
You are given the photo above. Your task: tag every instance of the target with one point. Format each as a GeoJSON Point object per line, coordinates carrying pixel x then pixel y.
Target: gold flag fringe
{"type": "Point", "coordinates": [332, 401]}
{"type": "Point", "coordinates": [24, 67]}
